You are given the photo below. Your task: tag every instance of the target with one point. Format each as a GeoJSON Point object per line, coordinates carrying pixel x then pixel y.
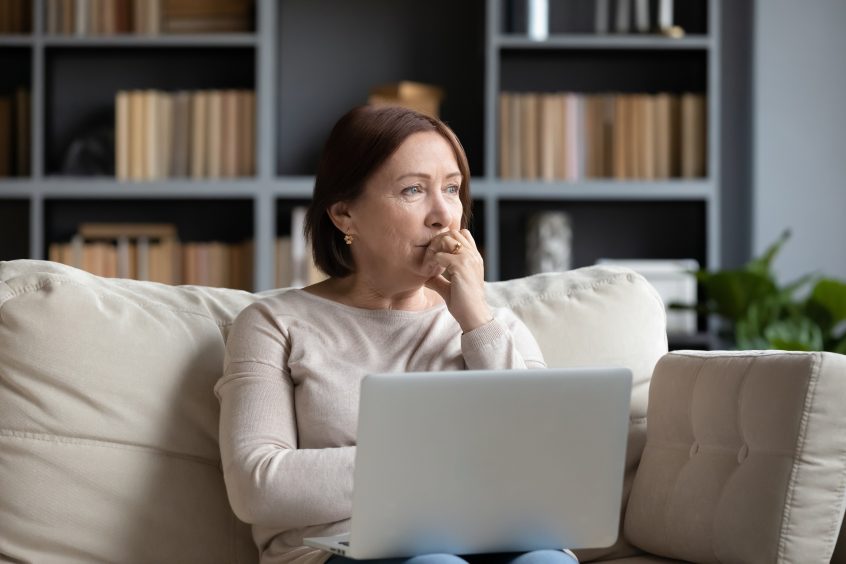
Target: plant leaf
{"type": "Point", "coordinates": [798, 334]}
{"type": "Point", "coordinates": [831, 295]}
{"type": "Point", "coordinates": [731, 292]}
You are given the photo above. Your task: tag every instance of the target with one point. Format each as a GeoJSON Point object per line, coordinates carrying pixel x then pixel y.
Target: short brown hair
{"type": "Point", "coordinates": [361, 141]}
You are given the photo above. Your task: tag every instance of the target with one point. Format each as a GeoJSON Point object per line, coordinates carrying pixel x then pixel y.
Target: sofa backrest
{"type": "Point", "coordinates": [108, 423]}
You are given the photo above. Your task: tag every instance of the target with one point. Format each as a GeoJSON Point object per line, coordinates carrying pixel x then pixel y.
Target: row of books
{"type": "Point", "coordinates": [569, 136]}
{"type": "Point", "coordinates": [107, 17]}
{"type": "Point", "coordinates": [154, 253]}
{"type": "Point", "coordinates": [15, 16]}
{"type": "Point", "coordinates": [200, 134]}
{"type": "Point", "coordinates": [15, 134]}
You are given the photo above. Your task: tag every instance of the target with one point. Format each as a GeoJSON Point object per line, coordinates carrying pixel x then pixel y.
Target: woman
{"type": "Point", "coordinates": [405, 292]}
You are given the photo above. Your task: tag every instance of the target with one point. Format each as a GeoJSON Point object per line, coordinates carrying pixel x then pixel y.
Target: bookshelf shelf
{"type": "Point", "coordinates": [220, 40]}
{"type": "Point", "coordinates": [304, 73]}
{"type": "Point", "coordinates": [606, 42]}
{"type": "Point", "coordinates": [16, 41]}
{"type": "Point", "coordinates": [596, 190]}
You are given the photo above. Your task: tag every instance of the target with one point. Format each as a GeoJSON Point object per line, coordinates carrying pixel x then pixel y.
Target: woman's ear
{"type": "Point", "coordinates": [339, 213]}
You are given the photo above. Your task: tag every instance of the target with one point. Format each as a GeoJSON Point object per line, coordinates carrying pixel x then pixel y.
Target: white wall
{"type": "Point", "coordinates": [799, 134]}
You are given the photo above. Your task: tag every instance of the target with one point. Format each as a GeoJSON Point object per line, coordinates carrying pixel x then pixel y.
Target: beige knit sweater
{"type": "Point", "coordinates": [289, 403]}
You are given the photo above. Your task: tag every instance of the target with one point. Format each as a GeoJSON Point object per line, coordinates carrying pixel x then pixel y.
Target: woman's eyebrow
{"type": "Point", "coordinates": [424, 175]}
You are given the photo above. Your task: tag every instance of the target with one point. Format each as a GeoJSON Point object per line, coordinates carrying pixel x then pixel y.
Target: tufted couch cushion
{"type": "Point", "coordinates": [108, 423]}
{"type": "Point", "coordinates": [745, 454]}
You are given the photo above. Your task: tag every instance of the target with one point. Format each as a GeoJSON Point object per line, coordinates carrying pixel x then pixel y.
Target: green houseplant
{"type": "Point", "coordinates": [808, 314]}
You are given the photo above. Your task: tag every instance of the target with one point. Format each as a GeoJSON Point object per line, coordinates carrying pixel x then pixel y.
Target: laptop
{"type": "Point", "coordinates": [470, 462]}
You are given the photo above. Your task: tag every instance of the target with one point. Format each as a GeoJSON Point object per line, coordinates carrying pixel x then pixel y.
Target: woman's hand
{"type": "Point", "coordinates": [461, 285]}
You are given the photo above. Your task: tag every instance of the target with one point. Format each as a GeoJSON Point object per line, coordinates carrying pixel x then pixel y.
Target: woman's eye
{"type": "Point", "coordinates": [452, 189]}
{"type": "Point", "coordinates": [412, 190]}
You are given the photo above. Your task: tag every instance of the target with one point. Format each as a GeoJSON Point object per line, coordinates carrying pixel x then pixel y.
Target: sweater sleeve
{"type": "Point", "coordinates": [502, 343]}
{"type": "Point", "coordinates": [269, 481]}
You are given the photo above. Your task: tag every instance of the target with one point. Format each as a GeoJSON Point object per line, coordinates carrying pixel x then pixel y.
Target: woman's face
{"type": "Point", "coordinates": [410, 199]}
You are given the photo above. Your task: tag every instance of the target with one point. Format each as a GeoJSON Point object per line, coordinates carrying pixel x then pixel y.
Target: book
{"type": "Point", "coordinates": [122, 136]}
{"type": "Point", "coordinates": [207, 16]}
{"type": "Point", "coordinates": [504, 135]}
{"type": "Point", "coordinates": [572, 148]}
{"type": "Point", "coordinates": [165, 135]}
{"type": "Point", "coordinates": [246, 133]}
{"type": "Point", "coordinates": [529, 136]}
{"type": "Point", "coordinates": [214, 153]}
{"type": "Point", "coordinates": [180, 135]}
{"type": "Point", "coordinates": [515, 103]}
{"type": "Point", "coordinates": [136, 135]}
{"type": "Point", "coordinates": [548, 119]}
{"type": "Point", "coordinates": [152, 122]}
{"type": "Point", "coordinates": [199, 134]}
{"type": "Point", "coordinates": [663, 136]}
{"type": "Point", "coordinates": [693, 137]}
{"type": "Point", "coordinates": [559, 135]}
{"type": "Point", "coordinates": [229, 134]}
{"type": "Point", "coordinates": [620, 137]}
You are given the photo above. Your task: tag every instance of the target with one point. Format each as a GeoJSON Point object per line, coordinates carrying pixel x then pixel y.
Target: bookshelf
{"type": "Point", "coordinates": [307, 64]}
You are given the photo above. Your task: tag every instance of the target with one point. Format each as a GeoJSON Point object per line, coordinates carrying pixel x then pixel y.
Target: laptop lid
{"type": "Point", "coordinates": [489, 461]}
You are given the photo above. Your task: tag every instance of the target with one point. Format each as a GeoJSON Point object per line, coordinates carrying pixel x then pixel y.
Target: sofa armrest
{"type": "Point", "coordinates": [745, 458]}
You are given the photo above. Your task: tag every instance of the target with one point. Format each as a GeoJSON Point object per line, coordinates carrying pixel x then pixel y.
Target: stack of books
{"type": "Point", "coordinates": [107, 17]}
{"type": "Point", "coordinates": [15, 134]}
{"type": "Point", "coordinates": [153, 252]}
{"type": "Point", "coordinates": [202, 134]}
{"type": "Point", "coordinates": [569, 136]}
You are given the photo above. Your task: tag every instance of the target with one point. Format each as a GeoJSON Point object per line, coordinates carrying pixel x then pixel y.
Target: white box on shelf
{"type": "Point", "coordinates": [676, 284]}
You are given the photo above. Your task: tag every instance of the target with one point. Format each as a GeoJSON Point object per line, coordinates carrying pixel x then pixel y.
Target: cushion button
{"type": "Point", "coordinates": [694, 448]}
{"type": "Point", "coordinates": [742, 454]}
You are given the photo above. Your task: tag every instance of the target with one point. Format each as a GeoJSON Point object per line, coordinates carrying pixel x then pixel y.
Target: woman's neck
{"type": "Point", "coordinates": [357, 291]}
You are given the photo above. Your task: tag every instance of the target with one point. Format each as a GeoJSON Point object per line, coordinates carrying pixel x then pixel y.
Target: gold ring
{"type": "Point", "coordinates": [456, 249]}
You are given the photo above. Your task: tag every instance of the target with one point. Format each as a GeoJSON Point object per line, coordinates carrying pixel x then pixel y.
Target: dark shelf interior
{"type": "Point", "coordinates": [16, 65]}
{"type": "Point", "coordinates": [81, 85]}
{"type": "Point", "coordinates": [15, 74]}
{"type": "Point", "coordinates": [331, 52]}
{"type": "Point", "coordinates": [224, 220]}
{"type": "Point", "coordinates": [600, 71]}
{"type": "Point", "coordinates": [14, 229]}
{"type": "Point", "coordinates": [602, 229]}
{"type": "Point", "coordinates": [578, 16]}
{"type": "Point", "coordinates": [284, 207]}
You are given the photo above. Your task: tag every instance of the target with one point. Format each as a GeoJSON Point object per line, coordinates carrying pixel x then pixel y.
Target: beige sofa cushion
{"type": "Point", "coordinates": [108, 423]}
{"type": "Point", "coordinates": [108, 426]}
{"type": "Point", "coordinates": [590, 317]}
{"type": "Point", "coordinates": [745, 459]}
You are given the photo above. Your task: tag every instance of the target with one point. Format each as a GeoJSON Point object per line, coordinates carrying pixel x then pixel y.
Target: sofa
{"type": "Point", "coordinates": [108, 423]}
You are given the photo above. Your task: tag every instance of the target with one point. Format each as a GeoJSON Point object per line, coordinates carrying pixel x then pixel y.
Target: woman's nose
{"type": "Point", "coordinates": [439, 212]}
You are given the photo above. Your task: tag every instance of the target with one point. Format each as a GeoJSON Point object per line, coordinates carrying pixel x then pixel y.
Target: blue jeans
{"type": "Point", "coordinates": [534, 557]}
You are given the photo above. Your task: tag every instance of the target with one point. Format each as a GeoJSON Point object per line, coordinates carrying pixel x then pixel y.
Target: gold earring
{"type": "Point", "coordinates": [348, 239]}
